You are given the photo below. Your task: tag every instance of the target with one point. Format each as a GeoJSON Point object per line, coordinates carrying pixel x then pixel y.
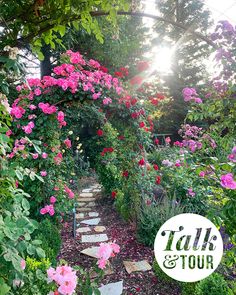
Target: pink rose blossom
{"type": "Point", "coordinates": [67, 142]}
{"type": "Point", "coordinates": [35, 156]}
{"type": "Point", "coordinates": [37, 92]}
{"type": "Point", "coordinates": [9, 133]}
{"type": "Point", "coordinates": [44, 155]}
{"type": "Point", "coordinates": [43, 173]}
{"type": "Point", "coordinates": [191, 192]}
{"type": "Point", "coordinates": [107, 101]}
{"type": "Point", "coordinates": [53, 200]}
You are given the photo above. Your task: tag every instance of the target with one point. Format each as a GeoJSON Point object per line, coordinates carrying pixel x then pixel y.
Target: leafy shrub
{"type": "Point", "coordinates": [188, 288]}
{"type": "Point", "coordinates": [153, 216]}
{"type": "Point", "coordinates": [160, 273]}
{"type": "Point", "coordinates": [49, 234]}
{"type": "Point", "coordinates": [215, 284]}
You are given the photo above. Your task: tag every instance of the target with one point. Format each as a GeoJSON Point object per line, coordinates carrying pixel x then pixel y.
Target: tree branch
{"type": "Point", "coordinates": [23, 40]}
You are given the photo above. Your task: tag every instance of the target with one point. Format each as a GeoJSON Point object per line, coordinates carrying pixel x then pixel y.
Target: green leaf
{"type": "Point", "coordinates": [19, 175]}
{"type": "Point", "coordinates": [25, 204]}
{"type": "Point", "coordinates": [40, 252]}
{"type": "Point", "coordinates": [4, 287]}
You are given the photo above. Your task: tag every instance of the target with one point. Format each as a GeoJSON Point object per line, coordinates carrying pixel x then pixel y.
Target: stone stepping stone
{"type": "Point", "coordinates": [112, 289]}
{"type": "Point", "coordinates": [91, 204]}
{"type": "Point", "coordinates": [99, 229]}
{"type": "Point", "coordinates": [84, 209]}
{"type": "Point", "coordinates": [132, 266]}
{"type": "Point", "coordinates": [94, 238]}
{"type": "Point", "coordinates": [83, 229]}
{"type": "Point", "coordinates": [86, 199]}
{"type": "Point", "coordinates": [93, 214]}
{"type": "Point", "coordinates": [81, 204]}
{"type": "Point", "coordinates": [94, 221]}
{"type": "Point", "coordinates": [86, 195]}
{"type": "Point", "coordinates": [97, 190]}
{"type": "Point", "coordinates": [86, 190]}
{"type": "Point", "coordinates": [91, 251]}
{"type": "Point", "coordinates": [80, 215]}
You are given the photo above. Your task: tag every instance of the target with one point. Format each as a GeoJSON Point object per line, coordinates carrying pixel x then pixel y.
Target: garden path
{"type": "Point", "coordinates": [130, 272]}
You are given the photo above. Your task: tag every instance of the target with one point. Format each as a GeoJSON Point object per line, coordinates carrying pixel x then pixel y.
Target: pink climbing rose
{"type": "Point", "coordinates": [65, 278]}
{"type": "Point", "coordinates": [53, 200]}
{"type": "Point", "coordinates": [67, 142]}
{"type": "Point", "coordinates": [44, 155]}
{"type": "Point", "coordinates": [227, 181]}
{"type": "Point", "coordinates": [105, 251]}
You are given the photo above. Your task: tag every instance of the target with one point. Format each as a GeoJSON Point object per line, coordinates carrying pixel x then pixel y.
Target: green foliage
{"type": "Point", "coordinates": [50, 238]}
{"type": "Point", "coordinates": [213, 285]}
{"type": "Point", "coordinates": [164, 278]}
{"type": "Point", "coordinates": [188, 288]}
{"type": "Point", "coordinates": [152, 217]}
{"type": "Point", "coordinates": [45, 21]}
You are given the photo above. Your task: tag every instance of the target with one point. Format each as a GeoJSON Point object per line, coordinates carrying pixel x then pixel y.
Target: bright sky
{"type": "Point", "coordinates": [220, 9]}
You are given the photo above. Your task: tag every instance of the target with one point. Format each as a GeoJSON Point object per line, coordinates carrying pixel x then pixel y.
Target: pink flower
{"type": "Point", "coordinates": [102, 263]}
{"type": "Point", "coordinates": [202, 174]}
{"type": "Point", "coordinates": [32, 107]}
{"type": "Point", "coordinates": [43, 211]}
{"type": "Point", "coordinates": [227, 181]}
{"type": "Point", "coordinates": [167, 140]}
{"type": "Point", "coordinates": [44, 155]}
{"type": "Point", "coordinates": [67, 142]}
{"type": "Point", "coordinates": [17, 112]}
{"type": "Point", "coordinates": [43, 173]}
{"type": "Point", "coordinates": [53, 200]}
{"type": "Point", "coordinates": [67, 284]}
{"type": "Point", "coordinates": [107, 101]}
{"type": "Point", "coordinates": [9, 133]}
{"type": "Point", "coordinates": [191, 192]}
{"type": "Point", "coordinates": [23, 264]}
{"type": "Point", "coordinates": [35, 156]}
{"type": "Point", "coordinates": [197, 100]}
{"type": "Point", "coordinates": [47, 108]}
{"type": "Point", "coordinates": [37, 92]}
{"type": "Point", "coordinates": [58, 159]}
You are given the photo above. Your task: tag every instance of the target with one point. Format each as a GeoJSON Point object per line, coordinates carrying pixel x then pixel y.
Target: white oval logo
{"type": "Point", "coordinates": [188, 247]}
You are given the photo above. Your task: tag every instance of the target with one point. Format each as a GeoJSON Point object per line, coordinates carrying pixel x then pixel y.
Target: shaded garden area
{"type": "Point", "coordinates": [106, 145]}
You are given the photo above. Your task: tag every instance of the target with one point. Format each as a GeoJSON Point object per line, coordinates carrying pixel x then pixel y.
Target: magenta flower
{"type": "Point", "coordinates": [227, 181]}
{"type": "Point", "coordinates": [191, 193]}
{"type": "Point", "coordinates": [35, 156]}
{"type": "Point", "coordinates": [43, 173]}
{"type": "Point", "coordinates": [53, 200]}
{"type": "Point", "coordinates": [202, 174]}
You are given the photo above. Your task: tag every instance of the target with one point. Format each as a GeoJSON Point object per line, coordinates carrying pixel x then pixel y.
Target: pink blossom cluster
{"type": "Point", "coordinates": [107, 100]}
{"type": "Point", "coordinates": [105, 251]}
{"type": "Point", "coordinates": [19, 145]}
{"type": "Point", "coordinates": [69, 192]}
{"type": "Point", "coordinates": [48, 209]}
{"type": "Point", "coordinates": [61, 118]}
{"type": "Point", "coordinates": [65, 278]}
{"type": "Point", "coordinates": [28, 128]}
{"type": "Point", "coordinates": [190, 131]}
{"type": "Point", "coordinates": [190, 94]}
{"type": "Point", "coordinates": [67, 142]}
{"type": "Point", "coordinates": [47, 108]}
{"type": "Point", "coordinates": [17, 112]}
{"type": "Point", "coordinates": [227, 181]}
{"type": "Point", "coordinates": [58, 159]}
{"type": "Point", "coordinates": [232, 156]}
{"type": "Point", "coordinates": [193, 145]}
